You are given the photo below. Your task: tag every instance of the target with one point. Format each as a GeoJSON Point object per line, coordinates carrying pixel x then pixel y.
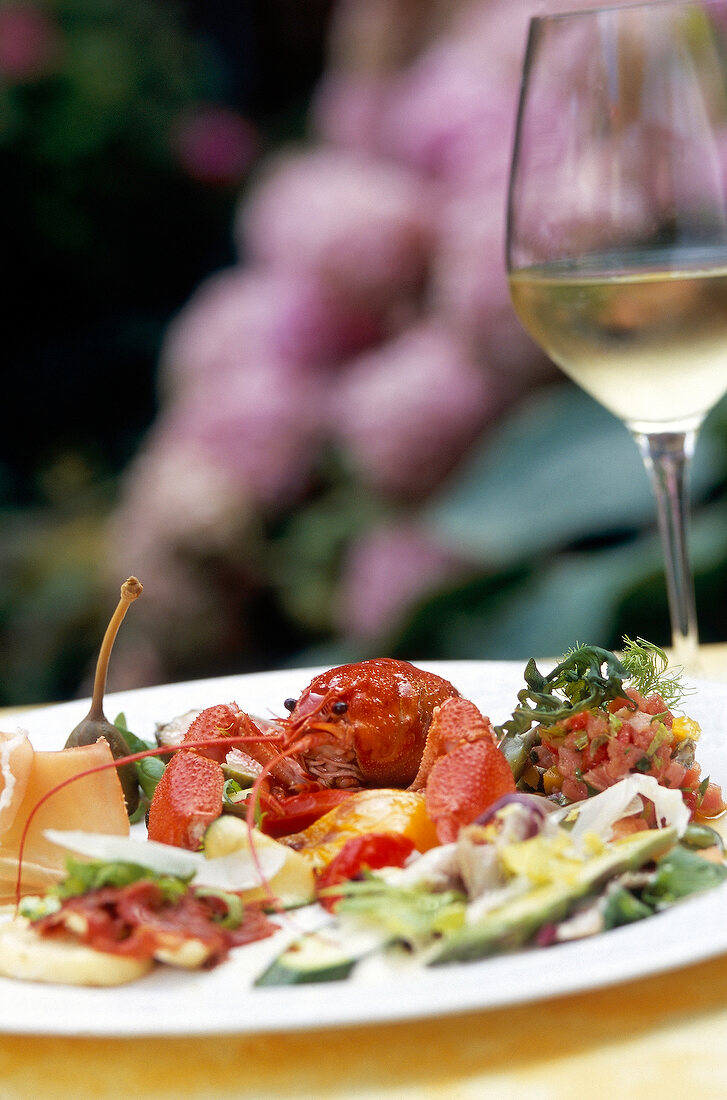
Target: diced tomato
{"type": "Point", "coordinates": [574, 790]}
{"type": "Point", "coordinates": [570, 762]}
{"type": "Point", "coordinates": [673, 774]}
{"type": "Point", "coordinates": [371, 851]}
{"type": "Point", "coordinates": [711, 803]}
{"type": "Point", "coordinates": [704, 803]}
{"type": "Point", "coordinates": [625, 826]}
{"type": "Point", "coordinates": [593, 749]}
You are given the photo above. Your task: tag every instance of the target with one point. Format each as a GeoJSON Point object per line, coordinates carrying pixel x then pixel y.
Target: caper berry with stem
{"type": "Point", "coordinates": [96, 725]}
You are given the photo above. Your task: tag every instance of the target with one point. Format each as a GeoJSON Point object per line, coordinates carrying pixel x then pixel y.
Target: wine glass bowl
{"type": "Point", "coordinates": [617, 232]}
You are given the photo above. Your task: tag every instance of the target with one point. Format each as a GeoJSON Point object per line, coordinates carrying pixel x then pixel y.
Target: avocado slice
{"type": "Point", "coordinates": [516, 922]}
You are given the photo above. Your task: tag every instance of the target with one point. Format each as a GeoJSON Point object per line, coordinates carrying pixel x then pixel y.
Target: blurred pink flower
{"type": "Point", "coordinates": [242, 315]}
{"type": "Point", "coordinates": [469, 289]}
{"type": "Point", "coordinates": [361, 225]}
{"type": "Point", "coordinates": [385, 573]}
{"type": "Point", "coordinates": [261, 426]}
{"type": "Point", "coordinates": [369, 311]}
{"type": "Point", "coordinates": [408, 410]}
{"type": "Point", "coordinates": [450, 111]}
{"type": "Point", "coordinates": [31, 43]}
{"type": "Point", "coordinates": [347, 109]}
{"type": "Point", "coordinates": [587, 182]}
{"type": "Point", "coordinates": [215, 144]}
{"type": "Point", "coordinates": [175, 496]}
{"type": "Point", "coordinates": [496, 32]}
{"type": "Point", "coordinates": [177, 510]}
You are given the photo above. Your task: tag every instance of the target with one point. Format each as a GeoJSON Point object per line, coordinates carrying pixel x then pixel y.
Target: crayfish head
{"type": "Point", "coordinates": [321, 732]}
{"type": "Point", "coordinates": [318, 718]}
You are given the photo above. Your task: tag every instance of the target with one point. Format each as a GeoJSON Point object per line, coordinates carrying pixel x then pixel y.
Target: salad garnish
{"type": "Point", "coordinates": [587, 677]}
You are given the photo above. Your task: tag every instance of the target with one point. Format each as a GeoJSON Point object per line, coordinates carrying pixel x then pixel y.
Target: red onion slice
{"type": "Point", "coordinates": [537, 806]}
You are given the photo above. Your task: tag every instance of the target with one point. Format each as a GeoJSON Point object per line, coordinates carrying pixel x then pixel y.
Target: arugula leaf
{"type": "Point", "coordinates": [587, 677]}
{"type": "Point", "coordinates": [135, 743]}
{"type": "Point", "coordinates": [82, 877]}
{"type": "Point", "coordinates": [624, 907]}
{"type": "Point", "coordinates": [149, 771]}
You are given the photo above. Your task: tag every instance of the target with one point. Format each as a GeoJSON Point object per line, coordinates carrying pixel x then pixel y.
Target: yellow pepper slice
{"type": "Point", "coordinates": [380, 810]}
{"type": "Point", "coordinates": [683, 728]}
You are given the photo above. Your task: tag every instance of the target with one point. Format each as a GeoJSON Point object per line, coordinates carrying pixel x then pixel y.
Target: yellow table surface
{"type": "Point", "coordinates": [664, 1036]}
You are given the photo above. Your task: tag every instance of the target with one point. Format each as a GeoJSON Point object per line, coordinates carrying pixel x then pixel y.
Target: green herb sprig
{"type": "Point", "coordinates": [647, 669]}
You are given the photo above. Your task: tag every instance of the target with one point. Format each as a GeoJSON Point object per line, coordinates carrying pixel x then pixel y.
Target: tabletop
{"type": "Point", "coordinates": [661, 1036]}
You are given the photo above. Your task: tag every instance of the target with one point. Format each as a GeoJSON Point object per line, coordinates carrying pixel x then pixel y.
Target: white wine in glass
{"type": "Point", "coordinates": [617, 233]}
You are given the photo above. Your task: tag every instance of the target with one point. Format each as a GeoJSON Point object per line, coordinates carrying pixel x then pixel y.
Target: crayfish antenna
{"type": "Point", "coordinates": [252, 806]}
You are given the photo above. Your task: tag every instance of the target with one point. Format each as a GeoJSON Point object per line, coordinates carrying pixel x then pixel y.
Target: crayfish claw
{"type": "Point", "coordinates": [463, 784]}
{"type": "Point", "coordinates": [455, 721]}
{"type": "Point", "coordinates": [187, 799]}
{"type": "Point", "coordinates": [462, 770]}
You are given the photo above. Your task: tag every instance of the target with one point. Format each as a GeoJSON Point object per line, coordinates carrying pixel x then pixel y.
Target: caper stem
{"type": "Point", "coordinates": [131, 589]}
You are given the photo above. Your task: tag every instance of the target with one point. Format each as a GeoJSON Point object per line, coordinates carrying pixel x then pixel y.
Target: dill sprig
{"type": "Point", "coordinates": [648, 670]}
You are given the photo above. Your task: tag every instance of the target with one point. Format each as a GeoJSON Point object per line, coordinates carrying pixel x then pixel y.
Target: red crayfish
{"type": "Point", "coordinates": [376, 723]}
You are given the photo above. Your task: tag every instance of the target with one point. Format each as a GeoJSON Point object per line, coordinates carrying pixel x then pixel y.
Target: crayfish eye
{"type": "Point", "coordinates": [290, 704]}
{"type": "Point", "coordinates": [339, 707]}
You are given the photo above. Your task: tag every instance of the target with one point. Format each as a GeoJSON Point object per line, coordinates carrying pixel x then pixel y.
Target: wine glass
{"type": "Point", "coordinates": [617, 233]}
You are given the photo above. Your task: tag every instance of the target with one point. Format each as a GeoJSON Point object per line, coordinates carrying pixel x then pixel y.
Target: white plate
{"type": "Point", "coordinates": [168, 1002]}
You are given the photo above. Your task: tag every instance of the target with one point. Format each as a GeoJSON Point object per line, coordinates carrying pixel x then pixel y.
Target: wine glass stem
{"type": "Point", "coordinates": [667, 457]}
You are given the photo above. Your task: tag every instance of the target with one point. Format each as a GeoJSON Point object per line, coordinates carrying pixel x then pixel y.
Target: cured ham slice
{"type": "Point", "coordinates": [94, 803]}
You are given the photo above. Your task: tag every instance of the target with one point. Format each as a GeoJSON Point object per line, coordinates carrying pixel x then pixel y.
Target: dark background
{"type": "Point", "coordinates": [102, 248]}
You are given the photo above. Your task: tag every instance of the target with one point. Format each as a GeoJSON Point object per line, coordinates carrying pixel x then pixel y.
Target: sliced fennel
{"type": "Point", "coordinates": [239, 870]}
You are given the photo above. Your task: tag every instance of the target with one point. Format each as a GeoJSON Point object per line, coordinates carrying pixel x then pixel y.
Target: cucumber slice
{"type": "Point", "coordinates": [315, 957]}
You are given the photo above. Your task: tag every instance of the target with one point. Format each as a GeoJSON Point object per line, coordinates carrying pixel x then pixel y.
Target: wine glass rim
{"type": "Point", "coordinates": [645, 5]}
